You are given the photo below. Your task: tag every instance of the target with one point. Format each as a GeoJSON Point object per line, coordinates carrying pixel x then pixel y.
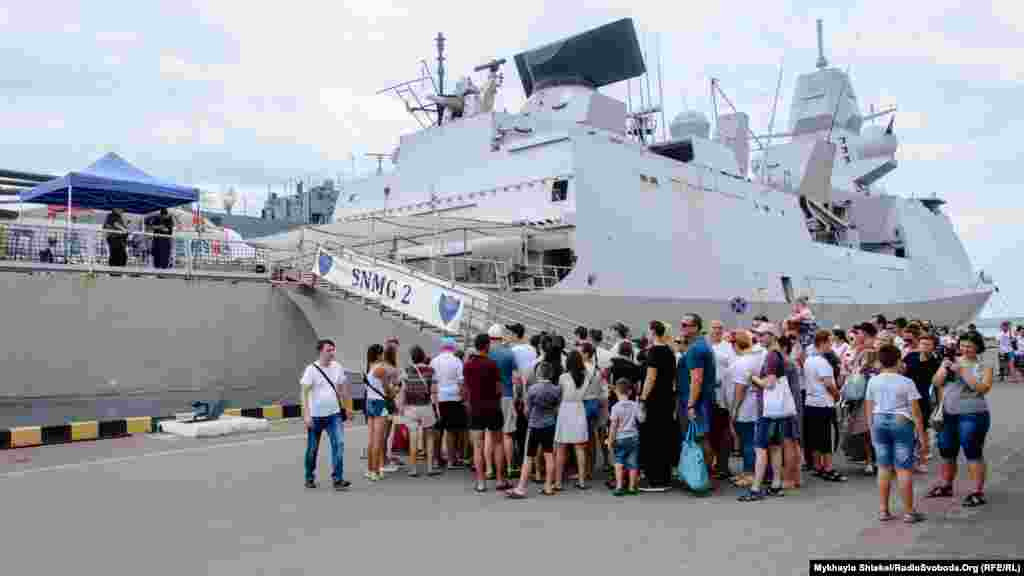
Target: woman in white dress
{"type": "Point", "coordinates": [571, 427]}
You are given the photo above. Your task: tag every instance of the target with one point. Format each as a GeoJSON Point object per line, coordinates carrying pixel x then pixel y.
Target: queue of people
{"type": "Point", "coordinates": [777, 394]}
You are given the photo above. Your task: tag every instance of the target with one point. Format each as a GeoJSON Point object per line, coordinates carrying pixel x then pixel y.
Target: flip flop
{"type": "Point", "coordinates": [885, 516]}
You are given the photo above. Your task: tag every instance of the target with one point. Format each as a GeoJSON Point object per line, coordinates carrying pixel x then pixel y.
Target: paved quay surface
{"type": "Point", "coordinates": [154, 505]}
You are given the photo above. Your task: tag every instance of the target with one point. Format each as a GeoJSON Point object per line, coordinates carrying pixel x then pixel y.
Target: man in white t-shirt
{"type": "Point", "coordinates": [452, 422]}
{"type": "Point", "coordinates": [819, 407]}
{"type": "Point", "coordinates": [1005, 349]}
{"type": "Point", "coordinates": [325, 390]}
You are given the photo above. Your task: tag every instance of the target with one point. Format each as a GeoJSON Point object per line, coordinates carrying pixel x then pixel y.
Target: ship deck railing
{"type": "Point", "coordinates": [34, 248]}
{"type": "Point", "coordinates": [491, 274]}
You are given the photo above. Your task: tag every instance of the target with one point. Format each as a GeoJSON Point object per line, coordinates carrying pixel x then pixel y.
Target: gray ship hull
{"type": "Point", "coordinates": [600, 311]}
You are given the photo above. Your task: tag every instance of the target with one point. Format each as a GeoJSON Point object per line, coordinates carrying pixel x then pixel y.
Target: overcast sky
{"type": "Point", "coordinates": [251, 94]}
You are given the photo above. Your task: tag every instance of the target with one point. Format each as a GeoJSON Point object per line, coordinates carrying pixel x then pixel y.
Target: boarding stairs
{"type": "Point", "coordinates": [481, 308]}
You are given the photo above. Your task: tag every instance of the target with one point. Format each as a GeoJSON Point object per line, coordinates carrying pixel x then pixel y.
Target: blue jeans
{"type": "Point", "coordinates": [894, 441]}
{"type": "Point", "coordinates": [965, 431]}
{"type": "Point", "coordinates": [746, 434]}
{"type": "Point", "coordinates": [336, 434]}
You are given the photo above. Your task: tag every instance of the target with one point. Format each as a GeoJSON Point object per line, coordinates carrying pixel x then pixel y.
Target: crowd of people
{"type": "Point", "coordinates": [783, 395]}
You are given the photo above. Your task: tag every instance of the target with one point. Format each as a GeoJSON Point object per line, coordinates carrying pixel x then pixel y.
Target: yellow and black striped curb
{"type": "Point", "coordinates": [26, 436]}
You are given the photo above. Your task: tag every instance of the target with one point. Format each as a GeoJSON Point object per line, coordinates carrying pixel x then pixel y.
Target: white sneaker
{"type": "Point", "coordinates": [389, 469]}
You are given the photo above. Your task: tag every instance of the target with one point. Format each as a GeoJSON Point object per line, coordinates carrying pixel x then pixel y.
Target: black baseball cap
{"type": "Point", "coordinates": [518, 329]}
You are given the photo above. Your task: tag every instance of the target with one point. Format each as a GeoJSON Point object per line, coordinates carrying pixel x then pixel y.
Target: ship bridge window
{"type": "Point", "coordinates": [560, 191]}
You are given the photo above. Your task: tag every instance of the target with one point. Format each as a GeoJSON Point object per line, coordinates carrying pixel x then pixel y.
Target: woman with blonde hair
{"type": "Point", "coordinates": [744, 408]}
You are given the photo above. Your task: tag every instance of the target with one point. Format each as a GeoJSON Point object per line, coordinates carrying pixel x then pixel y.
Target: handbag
{"type": "Point", "coordinates": [389, 403]}
{"type": "Point", "coordinates": [341, 405]}
{"type": "Point", "coordinates": [855, 388]}
{"type": "Point", "coordinates": [778, 400]}
{"type": "Point", "coordinates": [692, 469]}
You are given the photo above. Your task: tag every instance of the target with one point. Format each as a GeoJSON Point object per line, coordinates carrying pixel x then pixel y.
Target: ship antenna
{"type": "Point", "coordinates": [440, 74]}
{"type": "Point", "coordinates": [822, 63]}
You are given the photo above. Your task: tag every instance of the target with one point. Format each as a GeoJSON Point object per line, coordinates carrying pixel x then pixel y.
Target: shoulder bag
{"type": "Point", "coordinates": [341, 404]}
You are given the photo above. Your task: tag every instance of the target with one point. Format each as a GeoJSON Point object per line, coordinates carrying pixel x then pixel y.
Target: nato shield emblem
{"type": "Point", "coordinates": [448, 306]}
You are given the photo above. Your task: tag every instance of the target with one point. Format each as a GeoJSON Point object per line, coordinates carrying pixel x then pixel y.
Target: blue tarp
{"type": "Point", "coordinates": [111, 182]}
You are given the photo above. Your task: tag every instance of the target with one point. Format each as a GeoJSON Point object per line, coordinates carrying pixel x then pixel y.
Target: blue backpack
{"type": "Point", "coordinates": [692, 469]}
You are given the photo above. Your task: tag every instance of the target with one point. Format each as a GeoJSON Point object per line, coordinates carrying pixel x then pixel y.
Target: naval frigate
{"type": "Point", "coordinates": [577, 208]}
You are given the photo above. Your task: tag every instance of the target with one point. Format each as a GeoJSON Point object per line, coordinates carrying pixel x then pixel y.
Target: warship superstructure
{"type": "Point", "coordinates": [646, 229]}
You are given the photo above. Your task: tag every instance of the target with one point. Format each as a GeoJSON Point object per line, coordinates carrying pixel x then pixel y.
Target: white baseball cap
{"type": "Point", "coordinates": [496, 332]}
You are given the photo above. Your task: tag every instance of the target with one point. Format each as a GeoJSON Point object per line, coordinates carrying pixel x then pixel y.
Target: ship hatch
{"type": "Point", "coordinates": [560, 191]}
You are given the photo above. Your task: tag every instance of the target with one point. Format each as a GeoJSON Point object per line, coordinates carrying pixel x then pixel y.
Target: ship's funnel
{"type": "Point", "coordinates": [595, 58]}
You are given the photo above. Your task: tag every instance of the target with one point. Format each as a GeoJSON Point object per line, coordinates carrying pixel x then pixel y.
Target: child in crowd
{"type": "Point", "coordinates": [542, 401]}
{"type": "Point", "coordinates": [624, 437]}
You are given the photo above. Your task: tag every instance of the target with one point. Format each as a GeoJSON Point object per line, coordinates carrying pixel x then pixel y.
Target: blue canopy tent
{"type": "Point", "coordinates": [111, 182]}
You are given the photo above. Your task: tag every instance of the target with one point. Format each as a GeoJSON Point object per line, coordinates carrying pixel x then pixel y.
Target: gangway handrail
{"type": "Point", "coordinates": [543, 317]}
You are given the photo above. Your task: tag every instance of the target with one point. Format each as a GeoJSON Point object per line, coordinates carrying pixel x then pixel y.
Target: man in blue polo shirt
{"type": "Point", "coordinates": [506, 361]}
{"type": "Point", "coordinates": [697, 380]}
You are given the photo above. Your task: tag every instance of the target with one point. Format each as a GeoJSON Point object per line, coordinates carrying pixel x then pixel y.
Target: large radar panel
{"type": "Point", "coordinates": [596, 58]}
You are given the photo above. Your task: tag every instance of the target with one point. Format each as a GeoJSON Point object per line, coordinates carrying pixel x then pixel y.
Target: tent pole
{"type": "Point", "coordinates": [67, 227]}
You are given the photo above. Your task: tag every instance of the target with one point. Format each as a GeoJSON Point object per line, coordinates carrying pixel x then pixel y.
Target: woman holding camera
{"type": "Point", "coordinates": [962, 385]}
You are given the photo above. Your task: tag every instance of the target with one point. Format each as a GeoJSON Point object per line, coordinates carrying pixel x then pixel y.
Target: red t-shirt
{"type": "Point", "coordinates": [483, 388]}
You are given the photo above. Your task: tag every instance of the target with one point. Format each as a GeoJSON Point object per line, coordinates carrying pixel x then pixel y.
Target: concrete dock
{"type": "Point", "coordinates": [153, 504]}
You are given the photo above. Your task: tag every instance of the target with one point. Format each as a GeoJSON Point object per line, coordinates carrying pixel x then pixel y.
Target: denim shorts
{"type": "Point", "coordinates": [375, 408]}
{"type": "Point", "coordinates": [965, 431]}
{"type": "Point", "coordinates": [593, 409]}
{"type": "Point", "coordinates": [893, 438]}
{"type": "Point", "coordinates": [769, 432]}
{"type": "Point", "coordinates": [627, 452]}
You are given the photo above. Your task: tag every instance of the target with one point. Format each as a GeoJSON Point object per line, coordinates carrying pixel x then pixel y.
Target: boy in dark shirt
{"type": "Point", "coordinates": [483, 395]}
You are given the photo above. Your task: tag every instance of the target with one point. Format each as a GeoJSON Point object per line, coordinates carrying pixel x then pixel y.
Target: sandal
{"type": "Point", "coordinates": [775, 492]}
{"type": "Point", "coordinates": [751, 496]}
{"type": "Point", "coordinates": [480, 488]}
{"type": "Point", "coordinates": [885, 516]}
{"type": "Point", "coordinates": [974, 500]}
{"type": "Point", "coordinates": [582, 486]}
{"type": "Point", "coordinates": [505, 486]}
{"type": "Point", "coordinates": [913, 517]}
{"type": "Point", "coordinates": [940, 492]}
{"type": "Point", "coordinates": [513, 495]}
{"type": "Point", "coordinates": [551, 492]}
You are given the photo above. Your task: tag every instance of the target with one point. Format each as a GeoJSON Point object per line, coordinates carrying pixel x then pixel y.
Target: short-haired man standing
{"type": "Point", "coordinates": [506, 361]}
{"type": "Point", "coordinates": [484, 391]}
{"type": "Point", "coordinates": [325, 389]}
{"type": "Point", "coordinates": [697, 377]}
